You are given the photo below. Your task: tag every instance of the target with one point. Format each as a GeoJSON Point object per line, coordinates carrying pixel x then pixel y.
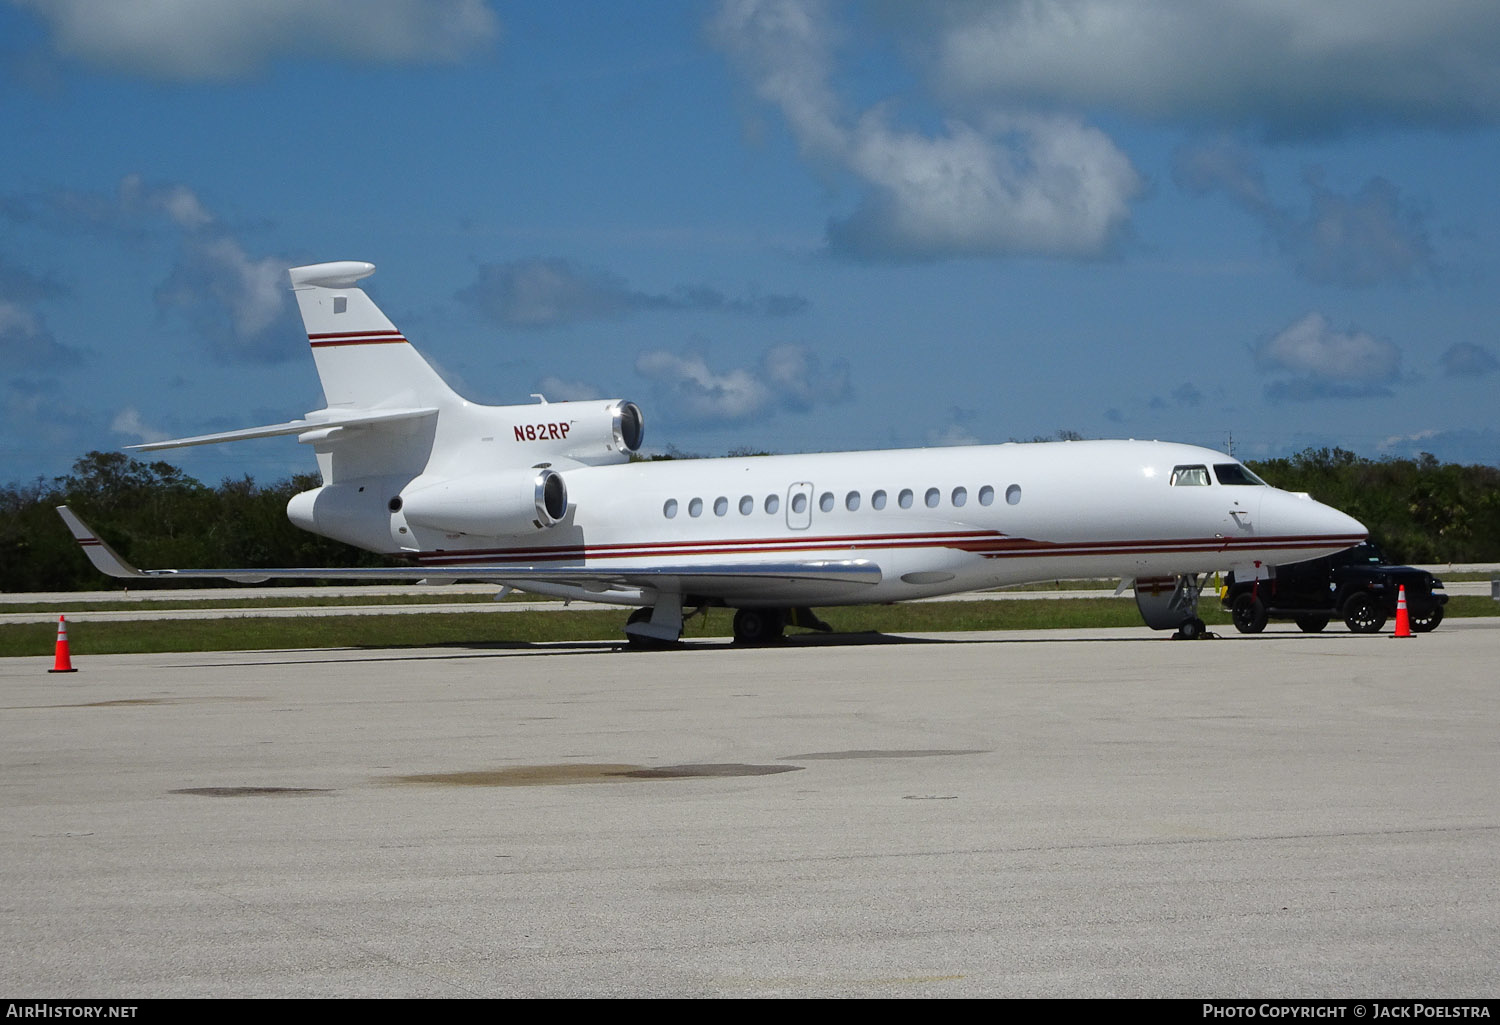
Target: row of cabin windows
{"type": "Point", "coordinates": [906, 498]}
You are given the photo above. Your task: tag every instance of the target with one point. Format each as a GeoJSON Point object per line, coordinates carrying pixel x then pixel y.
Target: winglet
{"type": "Point", "coordinates": [105, 559]}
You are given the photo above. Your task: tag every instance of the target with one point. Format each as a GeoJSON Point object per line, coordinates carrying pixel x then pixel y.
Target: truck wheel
{"type": "Point", "coordinates": [1311, 624]}
{"type": "Point", "coordinates": [1249, 614]}
{"type": "Point", "coordinates": [1362, 615]}
{"type": "Point", "coordinates": [1427, 623]}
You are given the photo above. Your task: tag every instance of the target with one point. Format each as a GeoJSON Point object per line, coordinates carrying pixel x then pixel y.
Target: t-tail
{"type": "Point", "coordinates": [400, 451]}
{"type": "Point", "coordinates": [363, 361]}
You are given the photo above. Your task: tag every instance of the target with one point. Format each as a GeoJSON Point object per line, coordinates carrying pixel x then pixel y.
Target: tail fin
{"type": "Point", "coordinates": [362, 359]}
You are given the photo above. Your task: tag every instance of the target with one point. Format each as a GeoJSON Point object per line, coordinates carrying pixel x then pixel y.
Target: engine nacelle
{"type": "Point", "coordinates": [488, 504]}
{"type": "Point", "coordinates": [590, 432]}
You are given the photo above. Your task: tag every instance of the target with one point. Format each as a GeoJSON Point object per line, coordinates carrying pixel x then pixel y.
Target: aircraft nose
{"type": "Point", "coordinates": [1300, 516]}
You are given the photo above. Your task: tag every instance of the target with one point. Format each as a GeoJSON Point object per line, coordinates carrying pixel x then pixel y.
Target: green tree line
{"type": "Point", "coordinates": [153, 514]}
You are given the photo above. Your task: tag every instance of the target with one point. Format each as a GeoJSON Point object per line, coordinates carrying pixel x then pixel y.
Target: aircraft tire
{"type": "Point", "coordinates": [1311, 624]}
{"type": "Point", "coordinates": [1191, 630]}
{"type": "Point", "coordinates": [1249, 614]}
{"type": "Point", "coordinates": [1362, 615]}
{"type": "Point", "coordinates": [758, 626]}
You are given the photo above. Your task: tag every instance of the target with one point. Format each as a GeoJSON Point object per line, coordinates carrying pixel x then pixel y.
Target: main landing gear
{"type": "Point", "coordinates": [660, 625]}
{"type": "Point", "coordinates": [765, 626]}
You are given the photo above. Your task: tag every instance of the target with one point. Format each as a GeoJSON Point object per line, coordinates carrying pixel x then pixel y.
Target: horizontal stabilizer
{"type": "Point", "coordinates": [312, 423]}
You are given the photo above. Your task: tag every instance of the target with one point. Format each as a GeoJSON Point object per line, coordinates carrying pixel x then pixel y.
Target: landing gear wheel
{"type": "Point", "coordinates": [1249, 614]}
{"type": "Point", "coordinates": [1362, 615]}
{"type": "Point", "coordinates": [1191, 630]}
{"type": "Point", "coordinates": [1427, 623]}
{"type": "Point", "coordinates": [1311, 624]}
{"type": "Point", "coordinates": [758, 626]}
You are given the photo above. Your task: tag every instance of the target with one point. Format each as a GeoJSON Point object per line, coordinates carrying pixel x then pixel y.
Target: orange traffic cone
{"type": "Point", "coordinates": [1403, 621]}
{"type": "Point", "coordinates": [63, 663]}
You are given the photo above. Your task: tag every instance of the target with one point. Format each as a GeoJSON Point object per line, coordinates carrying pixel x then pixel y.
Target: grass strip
{"type": "Point", "coordinates": [429, 629]}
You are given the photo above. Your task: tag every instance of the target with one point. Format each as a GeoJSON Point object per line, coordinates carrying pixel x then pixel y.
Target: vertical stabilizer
{"type": "Point", "coordinates": [362, 359]}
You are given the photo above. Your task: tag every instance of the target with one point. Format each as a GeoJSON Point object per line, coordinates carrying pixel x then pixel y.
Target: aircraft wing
{"type": "Point", "coordinates": [362, 419]}
{"type": "Point", "coordinates": [719, 579]}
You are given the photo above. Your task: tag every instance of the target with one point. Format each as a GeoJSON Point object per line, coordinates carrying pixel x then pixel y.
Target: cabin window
{"type": "Point", "coordinates": [877, 500]}
{"type": "Point", "coordinates": [670, 509]}
{"type": "Point", "coordinates": [825, 501]}
{"type": "Point", "coordinates": [747, 505]}
{"type": "Point", "coordinates": [721, 506]}
{"type": "Point", "coordinates": [905, 499]}
{"type": "Point", "coordinates": [773, 502]}
{"type": "Point", "coordinates": [986, 495]}
{"type": "Point", "coordinates": [1190, 476]}
{"type": "Point", "coordinates": [960, 496]}
{"type": "Point", "coordinates": [1013, 495]}
{"type": "Point", "coordinates": [932, 498]}
{"type": "Point", "coordinates": [851, 501]}
{"type": "Point", "coordinates": [799, 503]}
{"type": "Point", "coordinates": [1235, 473]}
{"type": "Point", "coordinates": [695, 507]}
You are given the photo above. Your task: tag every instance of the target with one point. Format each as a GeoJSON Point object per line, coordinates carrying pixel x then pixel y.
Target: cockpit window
{"type": "Point", "coordinates": [1190, 476]}
{"type": "Point", "coordinates": [1235, 473]}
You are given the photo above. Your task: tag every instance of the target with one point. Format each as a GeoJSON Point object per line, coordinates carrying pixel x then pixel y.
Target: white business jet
{"type": "Point", "coordinates": [546, 498]}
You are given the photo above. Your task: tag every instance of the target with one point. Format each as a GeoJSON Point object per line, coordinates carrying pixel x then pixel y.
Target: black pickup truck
{"type": "Point", "coordinates": [1354, 585]}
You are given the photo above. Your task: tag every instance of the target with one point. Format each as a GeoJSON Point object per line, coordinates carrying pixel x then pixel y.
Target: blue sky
{"type": "Point", "coordinates": [774, 224]}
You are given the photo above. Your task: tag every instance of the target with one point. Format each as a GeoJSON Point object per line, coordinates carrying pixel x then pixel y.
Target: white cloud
{"type": "Point", "coordinates": [1286, 66]}
{"type": "Point", "coordinates": [1468, 360]}
{"type": "Point", "coordinates": [129, 423]}
{"type": "Point", "coordinates": [1008, 182]}
{"type": "Point", "coordinates": [788, 377]}
{"type": "Point", "coordinates": [224, 39]}
{"type": "Point", "coordinates": [544, 293]}
{"type": "Point", "coordinates": [26, 342]}
{"type": "Point", "coordinates": [1365, 239]}
{"type": "Point", "coordinates": [1326, 363]}
{"type": "Point", "coordinates": [694, 393]}
{"type": "Point", "coordinates": [556, 389]}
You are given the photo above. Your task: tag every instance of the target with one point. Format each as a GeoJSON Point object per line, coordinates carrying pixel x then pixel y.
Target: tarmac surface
{"type": "Point", "coordinates": [1041, 813]}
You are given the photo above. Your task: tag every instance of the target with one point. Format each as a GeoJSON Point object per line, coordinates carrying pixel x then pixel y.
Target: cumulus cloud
{"type": "Point", "coordinates": [557, 389]}
{"type": "Point", "coordinates": [541, 293]}
{"type": "Point", "coordinates": [238, 302]}
{"type": "Point", "coordinates": [129, 423]}
{"type": "Point", "coordinates": [956, 431]}
{"type": "Point", "coordinates": [1281, 67]}
{"type": "Point", "coordinates": [26, 343]}
{"type": "Point", "coordinates": [1468, 360]}
{"type": "Point", "coordinates": [788, 377]}
{"type": "Point", "coordinates": [1365, 239]}
{"type": "Point", "coordinates": [1009, 182]}
{"type": "Point", "coordinates": [1325, 363]}
{"type": "Point", "coordinates": [1472, 447]}
{"type": "Point", "coordinates": [22, 286]}
{"type": "Point", "coordinates": [226, 39]}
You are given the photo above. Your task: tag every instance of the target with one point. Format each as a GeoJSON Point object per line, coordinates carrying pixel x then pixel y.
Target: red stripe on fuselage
{"type": "Point", "coordinates": [987, 544]}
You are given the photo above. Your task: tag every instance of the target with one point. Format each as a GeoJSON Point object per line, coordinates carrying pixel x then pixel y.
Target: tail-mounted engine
{"type": "Point", "coordinates": [487, 504]}
{"type": "Point", "coordinates": [590, 432]}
